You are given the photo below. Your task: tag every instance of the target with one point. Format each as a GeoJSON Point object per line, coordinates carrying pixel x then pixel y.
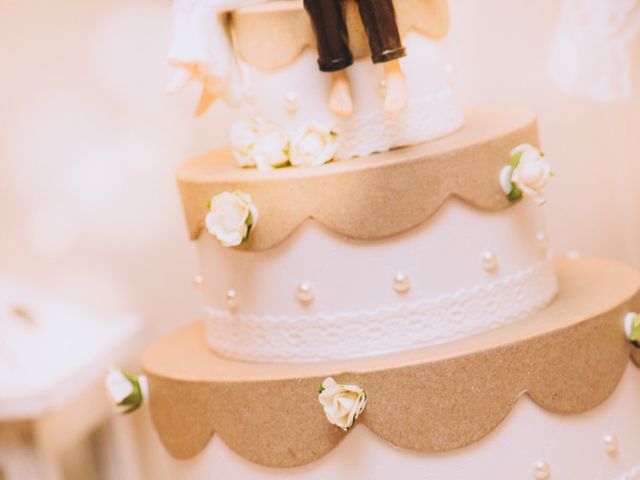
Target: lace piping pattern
{"type": "Point", "coordinates": [429, 321]}
{"type": "Point", "coordinates": [425, 119]}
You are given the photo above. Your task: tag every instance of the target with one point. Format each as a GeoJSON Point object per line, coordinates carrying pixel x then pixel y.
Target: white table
{"type": "Point", "coordinates": [53, 357]}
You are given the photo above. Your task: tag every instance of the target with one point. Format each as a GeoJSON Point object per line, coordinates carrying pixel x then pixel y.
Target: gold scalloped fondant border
{"type": "Point", "coordinates": [371, 197]}
{"type": "Point", "coordinates": [568, 358]}
{"type": "Point", "coordinates": [272, 35]}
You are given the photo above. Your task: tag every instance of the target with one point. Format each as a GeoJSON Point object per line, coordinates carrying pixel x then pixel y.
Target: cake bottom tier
{"type": "Point", "coordinates": [556, 391]}
{"type": "Point", "coordinates": [573, 447]}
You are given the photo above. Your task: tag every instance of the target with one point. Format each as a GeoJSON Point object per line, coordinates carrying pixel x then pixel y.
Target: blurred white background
{"type": "Point", "coordinates": [88, 145]}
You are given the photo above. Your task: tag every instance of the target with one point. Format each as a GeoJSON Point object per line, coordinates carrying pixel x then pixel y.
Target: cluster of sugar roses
{"type": "Point", "coordinates": [266, 145]}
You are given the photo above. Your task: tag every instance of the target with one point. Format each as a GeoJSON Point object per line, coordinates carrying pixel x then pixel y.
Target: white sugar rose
{"type": "Point", "coordinates": [532, 173]}
{"type": "Point", "coordinates": [244, 135]}
{"type": "Point", "coordinates": [342, 404]}
{"type": "Point", "coordinates": [127, 392]}
{"type": "Point", "coordinates": [118, 386]}
{"type": "Point", "coordinates": [632, 327]}
{"type": "Point", "coordinates": [232, 216]}
{"type": "Point", "coordinates": [312, 145]}
{"type": "Point", "coordinates": [271, 148]}
{"type": "Point", "coordinates": [528, 174]}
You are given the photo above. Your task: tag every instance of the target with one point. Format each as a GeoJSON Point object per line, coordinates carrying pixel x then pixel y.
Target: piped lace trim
{"type": "Point", "coordinates": [310, 338]}
{"type": "Point", "coordinates": [425, 119]}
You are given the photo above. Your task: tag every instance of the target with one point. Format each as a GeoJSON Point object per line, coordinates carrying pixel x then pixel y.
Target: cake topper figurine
{"type": "Point", "coordinates": [334, 55]}
{"type": "Point", "coordinates": [202, 50]}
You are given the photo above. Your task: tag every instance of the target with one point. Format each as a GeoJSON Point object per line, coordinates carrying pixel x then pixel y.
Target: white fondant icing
{"type": "Point", "coordinates": [361, 333]}
{"type": "Point", "coordinates": [450, 295]}
{"type": "Point", "coordinates": [432, 111]}
{"type": "Point", "coordinates": [570, 444]}
{"type": "Point", "coordinates": [440, 256]}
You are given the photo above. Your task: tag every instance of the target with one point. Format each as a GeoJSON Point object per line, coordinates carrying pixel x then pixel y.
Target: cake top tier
{"type": "Point", "coordinates": [374, 73]}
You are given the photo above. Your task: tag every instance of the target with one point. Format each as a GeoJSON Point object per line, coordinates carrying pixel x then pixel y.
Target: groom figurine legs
{"type": "Point", "coordinates": [334, 56]}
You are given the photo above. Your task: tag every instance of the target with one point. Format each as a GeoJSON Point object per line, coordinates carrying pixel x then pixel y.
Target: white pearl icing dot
{"type": "Point", "coordinates": [543, 241]}
{"type": "Point", "coordinates": [489, 261]}
{"type": "Point", "coordinates": [382, 88]}
{"type": "Point", "coordinates": [401, 283]}
{"type": "Point", "coordinates": [573, 254]}
{"type": "Point", "coordinates": [610, 443]}
{"type": "Point", "coordinates": [304, 292]}
{"type": "Point", "coordinates": [231, 297]}
{"type": "Point", "coordinates": [449, 71]}
{"type": "Point", "coordinates": [197, 282]}
{"type": "Point", "coordinates": [541, 470]}
{"type": "Point", "coordinates": [291, 103]}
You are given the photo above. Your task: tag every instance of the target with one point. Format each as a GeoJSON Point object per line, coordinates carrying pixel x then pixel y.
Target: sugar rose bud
{"type": "Point", "coordinates": [231, 217]}
{"type": "Point", "coordinates": [127, 392]}
{"type": "Point", "coordinates": [244, 135]}
{"type": "Point", "coordinates": [271, 148]}
{"type": "Point", "coordinates": [312, 145]}
{"type": "Point", "coordinates": [342, 404]}
{"type": "Point", "coordinates": [527, 175]}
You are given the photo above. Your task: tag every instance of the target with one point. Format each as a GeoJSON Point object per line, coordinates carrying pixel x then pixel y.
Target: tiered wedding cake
{"type": "Point", "coordinates": [392, 297]}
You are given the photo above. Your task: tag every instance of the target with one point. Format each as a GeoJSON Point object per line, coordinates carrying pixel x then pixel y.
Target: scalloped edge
{"type": "Point", "coordinates": [386, 193]}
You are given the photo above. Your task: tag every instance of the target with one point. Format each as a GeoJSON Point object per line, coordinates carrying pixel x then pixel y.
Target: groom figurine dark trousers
{"type": "Point", "coordinates": [379, 19]}
{"type": "Point", "coordinates": [334, 55]}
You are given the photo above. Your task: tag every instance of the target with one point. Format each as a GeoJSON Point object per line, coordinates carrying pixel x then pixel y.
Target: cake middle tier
{"type": "Point", "coordinates": [320, 296]}
{"type": "Point", "coordinates": [391, 252]}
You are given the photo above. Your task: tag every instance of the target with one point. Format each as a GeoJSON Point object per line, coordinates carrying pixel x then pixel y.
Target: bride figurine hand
{"type": "Point", "coordinates": [201, 49]}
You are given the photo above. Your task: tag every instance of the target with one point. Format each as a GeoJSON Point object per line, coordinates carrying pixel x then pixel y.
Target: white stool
{"type": "Point", "coordinates": [53, 358]}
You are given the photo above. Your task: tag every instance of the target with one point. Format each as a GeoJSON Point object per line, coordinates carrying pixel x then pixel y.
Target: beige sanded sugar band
{"type": "Point", "coordinates": [386, 193]}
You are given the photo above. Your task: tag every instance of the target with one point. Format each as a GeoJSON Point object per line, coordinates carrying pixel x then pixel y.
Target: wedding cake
{"type": "Point", "coordinates": [380, 298]}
